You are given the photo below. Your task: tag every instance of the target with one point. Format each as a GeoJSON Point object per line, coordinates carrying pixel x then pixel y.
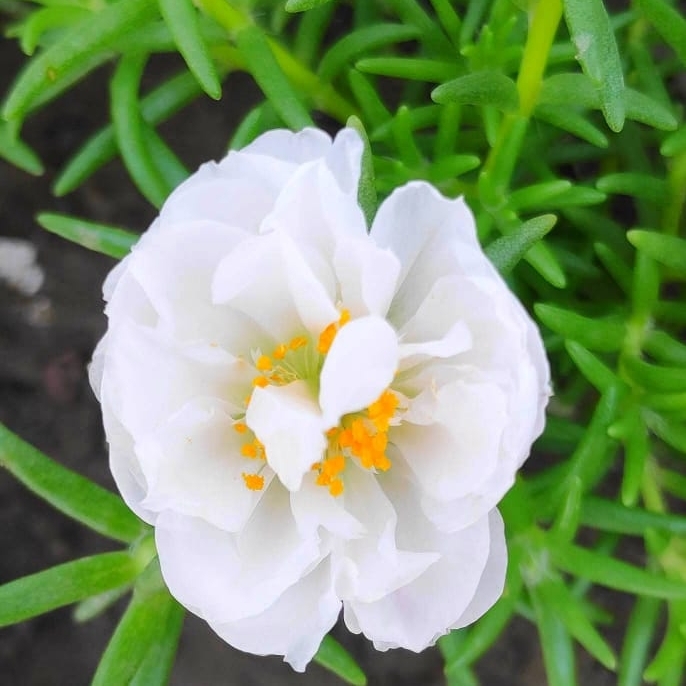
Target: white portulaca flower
{"type": "Point", "coordinates": [313, 416]}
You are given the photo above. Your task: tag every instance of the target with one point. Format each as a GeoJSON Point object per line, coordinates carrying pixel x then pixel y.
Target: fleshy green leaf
{"type": "Point", "coordinates": [631, 183]}
{"type": "Point", "coordinates": [572, 122]}
{"type": "Point", "coordinates": [411, 68]}
{"type": "Point", "coordinates": [67, 491]}
{"type": "Point", "coordinates": [15, 151]}
{"type": "Point", "coordinates": [269, 76]}
{"type": "Point", "coordinates": [67, 57]}
{"type": "Point", "coordinates": [607, 571]}
{"type": "Point", "coordinates": [182, 19]}
{"type": "Point", "coordinates": [334, 657]}
{"type": "Point", "coordinates": [669, 22]}
{"type": "Point", "coordinates": [505, 252]}
{"type": "Point", "coordinates": [595, 333]}
{"type": "Point", "coordinates": [639, 636]}
{"type": "Point", "coordinates": [607, 515]}
{"type": "Point", "coordinates": [487, 88]}
{"type": "Point", "coordinates": [589, 27]}
{"type": "Point", "coordinates": [655, 377]}
{"type": "Point", "coordinates": [65, 584]}
{"type": "Point", "coordinates": [594, 370]}
{"type": "Point", "coordinates": [303, 5]}
{"type": "Point", "coordinates": [108, 240]}
{"type": "Point", "coordinates": [366, 191]}
{"type": "Point", "coordinates": [668, 250]}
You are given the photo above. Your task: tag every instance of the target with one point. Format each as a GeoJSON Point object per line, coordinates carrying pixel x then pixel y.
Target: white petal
{"type": "Point", "coordinates": [294, 625]}
{"type": "Point", "coordinates": [367, 276]}
{"type": "Point", "coordinates": [287, 421]}
{"type": "Point", "coordinates": [451, 457]}
{"type": "Point", "coordinates": [358, 368]}
{"type": "Point", "coordinates": [192, 464]}
{"type": "Point", "coordinates": [294, 148]}
{"type": "Point", "coordinates": [223, 577]}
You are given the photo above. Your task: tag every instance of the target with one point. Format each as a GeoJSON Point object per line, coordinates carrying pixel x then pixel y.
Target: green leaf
{"type": "Point", "coordinates": [572, 122]}
{"type": "Point", "coordinates": [433, 40]}
{"type": "Point", "coordinates": [303, 5]}
{"type": "Point", "coordinates": [92, 607]}
{"type": "Point", "coordinates": [655, 377]}
{"type": "Point", "coordinates": [664, 348]}
{"type": "Point", "coordinates": [594, 370]}
{"type": "Point", "coordinates": [49, 18]}
{"type": "Point", "coordinates": [641, 186]}
{"type": "Point", "coordinates": [595, 333]}
{"type": "Point", "coordinates": [65, 584]}
{"type": "Point", "coordinates": [130, 132]}
{"type": "Point", "coordinates": [671, 432]}
{"type": "Point", "coordinates": [66, 58]}
{"type": "Point", "coordinates": [409, 68]}
{"type": "Point", "coordinates": [16, 152]}
{"type": "Point", "coordinates": [669, 23]}
{"type": "Point", "coordinates": [348, 48]}
{"type": "Point", "coordinates": [262, 64]}
{"type": "Point", "coordinates": [375, 111]}
{"type": "Point", "coordinates": [141, 629]}
{"type": "Point", "coordinates": [156, 106]}
{"type": "Point", "coordinates": [668, 250]}
{"type": "Point", "coordinates": [507, 251]}
{"type": "Point", "coordinates": [612, 573]}
{"type": "Point", "coordinates": [590, 30]}
{"type": "Point", "coordinates": [366, 190]}
{"type": "Point", "coordinates": [675, 143]}
{"type": "Point", "coordinates": [334, 657]}
{"type": "Point", "coordinates": [182, 19]}
{"type": "Point", "coordinates": [638, 639]}
{"type": "Point", "coordinates": [607, 515]}
{"type": "Point", "coordinates": [485, 88]}
{"type": "Point", "coordinates": [537, 194]}
{"type": "Point", "coordinates": [67, 491]}
{"type": "Point", "coordinates": [108, 240]}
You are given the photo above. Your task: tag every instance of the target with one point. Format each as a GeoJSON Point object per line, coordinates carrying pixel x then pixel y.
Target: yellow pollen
{"type": "Point", "coordinates": [249, 450]}
{"type": "Point", "coordinates": [254, 482]}
{"type": "Point", "coordinates": [280, 351]}
{"type": "Point", "coordinates": [240, 427]}
{"type": "Point", "coordinates": [326, 337]}
{"type": "Point", "coordinates": [336, 487]}
{"type": "Point", "coordinates": [297, 342]}
{"type": "Point", "coordinates": [260, 381]}
{"type": "Point", "coordinates": [263, 363]}
{"type": "Point", "coordinates": [345, 318]}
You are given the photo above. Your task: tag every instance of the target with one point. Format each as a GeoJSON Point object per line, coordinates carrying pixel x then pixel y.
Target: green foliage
{"type": "Point", "coordinates": [560, 123]}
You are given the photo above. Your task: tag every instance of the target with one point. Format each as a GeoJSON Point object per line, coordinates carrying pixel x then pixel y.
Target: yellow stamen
{"type": "Point", "coordinates": [240, 427]}
{"type": "Point", "coordinates": [297, 342]}
{"type": "Point", "coordinates": [249, 450]}
{"type": "Point", "coordinates": [254, 482]}
{"type": "Point", "coordinates": [263, 363]}
{"type": "Point", "coordinates": [260, 381]}
{"type": "Point", "coordinates": [336, 487]}
{"type": "Point", "coordinates": [280, 351]}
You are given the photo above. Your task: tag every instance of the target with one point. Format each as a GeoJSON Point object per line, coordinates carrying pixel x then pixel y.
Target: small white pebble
{"type": "Point", "coordinates": [18, 267]}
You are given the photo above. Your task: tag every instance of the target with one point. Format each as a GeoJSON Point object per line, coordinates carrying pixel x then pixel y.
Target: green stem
{"type": "Point", "coordinates": [323, 95]}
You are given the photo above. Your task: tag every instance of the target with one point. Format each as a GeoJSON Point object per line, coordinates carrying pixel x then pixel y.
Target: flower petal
{"type": "Point", "coordinates": [287, 421]}
{"type": "Point", "coordinates": [358, 368]}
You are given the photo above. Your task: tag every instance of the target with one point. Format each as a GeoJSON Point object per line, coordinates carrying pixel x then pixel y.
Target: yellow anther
{"type": "Point", "coordinates": [315, 466]}
{"type": "Point", "coordinates": [297, 342]}
{"type": "Point", "coordinates": [280, 351]}
{"type": "Point", "coordinates": [334, 465]}
{"type": "Point", "coordinates": [326, 338]}
{"type": "Point", "coordinates": [260, 381]}
{"type": "Point", "coordinates": [379, 442]}
{"type": "Point", "coordinates": [254, 482]}
{"type": "Point", "coordinates": [382, 463]}
{"type": "Point", "coordinates": [263, 363]}
{"type": "Point", "coordinates": [249, 450]}
{"type": "Point", "coordinates": [345, 318]}
{"type": "Point", "coordinates": [336, 487]}
{"type": "Point", "coordinates": [240, 427]}
{"type": "Point", "coordinates": [323, 479]}
{"type": "Point", "coordinates": [359, 430]}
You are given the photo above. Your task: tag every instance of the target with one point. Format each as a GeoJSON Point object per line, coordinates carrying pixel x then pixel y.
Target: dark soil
{"type": "Point", "coordinates": [45, 344]}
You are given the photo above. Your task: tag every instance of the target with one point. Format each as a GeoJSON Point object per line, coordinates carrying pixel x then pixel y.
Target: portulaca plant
{"type": "Point", "coordinates": [321, 374]}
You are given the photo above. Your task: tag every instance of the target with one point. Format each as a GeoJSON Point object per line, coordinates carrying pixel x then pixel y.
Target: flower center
{"type": "Point", "coordinates": [362, 435]}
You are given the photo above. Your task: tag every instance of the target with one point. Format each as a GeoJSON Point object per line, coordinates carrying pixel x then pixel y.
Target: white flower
{"type": "Point", "coordinates": [311, 416]}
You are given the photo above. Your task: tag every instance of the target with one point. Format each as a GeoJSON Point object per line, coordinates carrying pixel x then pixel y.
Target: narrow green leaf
{"type": "Point", "coordinates": [485, 88]}
{"type": "Point", "coordinates": [16, 152]}
{"type": "Point", "coordinates": [566, 523]}
{"type": "Point", "coordinates": [655, 377]}
{"type": "Point", "coordinates": [375, 111]}
{"type": "Point", "coordinates": [410, 68]}
{"type": "Point", "coordinates": [66, 57]}
{"type": "Point", "coordinates": [156, 667]}
{"type": "Point", "coordinates": [668, 250]}
{"type": "Point", "coordinates": [448, 18]}
{"type": "Point", "coordinates": [665, 348]}
{"type": "Point", "coordinates": [671, 432]}
{"type": "Point", "coordinates": [636, 452]}
{"type": "Point", "coordinates": [572, 122]}
{"type": "Point", "coordinates": [641, 186]}
{"type": "Point", "coordinates": [608, 515]}
{"type": "Point", "coordinates": [543, 260]}
{"type": "Point", "coordinates": [182, 19]}
{"type": "Point", "coordinates": [67, 491]}
{"type": "Point", "coordinates": [558, 598]}
{"type": "Point", "coordinates": [63, 585]}
{"type": "Point", "coordinates": [507, 251]}
{"type": "Point", "coordinates": [311, 33]}
{"type": "Point", "coordinates": [108, 240]}
{"type": "Point", "coordinates": [334, 657]}
{"type": "Point", "coordinates": [366, 191]}
{"type": "Point", "coordinates": [669, 23]}
{"type": "Point", "coordinates": [142, 627]}
{"type": "Point", "coordinates": [303, 5]}
{"type": "Point", "coordinates": [129, 131]}
{"type": "Point", "coordinates": [537, 194]}
{"type": "Point", "coordinates": [170, 167]}
{"type": "Point", "coordinates": [156, 106]}
{"type": "Point", "coordinates": [594, 370]}
{"type": "Point", "coordinates": [675, 143]}
{"type": "Point", "coordinates": [671, 653]}
{"type": "Point", "coordinates": [618, 269]}
{"type": "Point", "coordinates": [590, 30]}
{"type": "Point", "coordinates": [350, 47]}
{"type": "Point", "coordinates": [604, 334]}
{"type": "Point", "coordinates": [606, 571]}
{"type": "Point", "coordinates": [92, 607]}
{"type": "Point", "coordinates": [433, 40]}
{"type": "Point", "coordinates": [639, 636]}
{"type": "Point", "coordinates": [261, 63]}
{"type": "Point", "coordinates": [46, 19]}
{"type": "Point", "coordinates": [556, 642]}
